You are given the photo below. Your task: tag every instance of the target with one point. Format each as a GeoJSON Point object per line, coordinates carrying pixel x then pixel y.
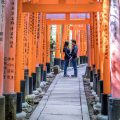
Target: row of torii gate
{"type": "Point", "coordinates": [25, 41]}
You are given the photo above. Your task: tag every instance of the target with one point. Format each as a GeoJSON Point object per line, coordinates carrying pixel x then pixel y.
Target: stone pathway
{"type": "Point", "coordinates": [64, 100]}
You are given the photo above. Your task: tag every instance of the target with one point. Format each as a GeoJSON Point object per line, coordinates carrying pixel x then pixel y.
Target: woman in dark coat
{"type": "Point", "coordinates": [67, 57]}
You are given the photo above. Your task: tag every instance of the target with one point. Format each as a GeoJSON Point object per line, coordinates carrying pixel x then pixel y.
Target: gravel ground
{"type": "Point", "coordinates": [34, 105]}
{"type": "Point", "coordinates": [90, 99]}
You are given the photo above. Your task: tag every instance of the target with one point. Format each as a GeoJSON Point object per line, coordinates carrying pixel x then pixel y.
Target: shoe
{"type": "Point", "coordinates": [73, 76]}
{"type": "Point", "coordinates": [66, 75]}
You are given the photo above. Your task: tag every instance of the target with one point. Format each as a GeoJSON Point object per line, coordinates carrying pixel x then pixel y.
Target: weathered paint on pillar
{"type": "Point", "coordinates": [78, 41]}
{"type": "Point", "coordinates": [68, 31]}
{"type": "Point", "coordinates": [41, 38]}
{"type": "Point", "coordinates": [81, 42]}
{"type": "Point", "coordinates": [88, 45]}
{"type": "Point", "coordinates": [48, 43]}
{"type": "Point", "coordinates": [2, 32]}
{"type": "Point", "coordinates": [74, 33]}
{"type": "Point", "coordinates": [38, 41]}
{"type": "Point", "coordinates": [57, 52]}
{"type": "Point", "coordinates": [96, 42]}
{"type": "Point", "coordinates": [25, 40]}
{"type": "Point", "coordinates": [30, 37]}
{"type": "Point", "coordinates": [34, 40]}
{"type": "Point", "coordinates": [10, 46]}
{"type": "Point", "coordinates": [84, 42]}
{"type": "Point", "coordinates": [105, 36]}
{"type": "Point", "coordinates": [101, 49]}
{"type": "Point", "coordinates": [63, 41]}
{"type": "Point", "coordinates": [92, 39]}
{"type": "Point", "coordinates": [19, 48]}
{"type": "Point", "coordinates": [44, 40]}
{"type": "Point", "coordinates": [115, 47]}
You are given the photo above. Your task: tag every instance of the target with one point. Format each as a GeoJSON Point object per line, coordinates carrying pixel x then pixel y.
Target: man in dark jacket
{"type": "Point", "coordinates": [74, 57]}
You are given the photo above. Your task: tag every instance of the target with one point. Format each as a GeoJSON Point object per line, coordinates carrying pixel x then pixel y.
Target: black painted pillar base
{"type": "Point", "coordinates": [19, 103]}
{"type": "Point", "coordinates": [91, 76]}
{"type": "Point", "coordinates": [81, 59]}
{"type": "Point", "coordinates": [77, 61]}
{"type": "Point", "coordinates": [41, 74]}
{"type": "Point", "coordinates": [95, 82]}
{"type": "Point", "coordinates": [10, 106]}
{"type": "Point", "coordinates": [114, 108]}
{"type": "Point", "coordinates": [57, 61]}
{"type": "Point", "coordinates": [62, 64]}
{"type": "Point", "coordinates": [84, 59]}
{"type": "Point", "coordinates": [104, 105]}
{"type": "Point", "coordinates": [2, 108]}
{"type": "Point", "coordinates": [38, 77]}
{"type": "Point", "coordinates": [94, 69]}
{"type": "Point", "coordinates": [87, 73]}
{"type": "Point", "coordinates": [44, 75]}
{"type": "Point", "coordinates": [26, 77]}
{"type": "Point", "coordinates": [30, 85]}
{"type": "Point", "coordinates": [22, 89]}
{"type": "Point", "coordinates": [34, 80]}
{"type": "Point", "coordinates": [48, 67]}
{"type": "Point", "coordinates": [101, 89]}
{"type": "Point", "coordinates": [98, 82]}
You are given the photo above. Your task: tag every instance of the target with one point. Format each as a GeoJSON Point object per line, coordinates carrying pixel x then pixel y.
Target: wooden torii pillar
{"type": "Point", "coordinates": [44, 29]}
{"type": "Point", "coordinates": [9, 59]}
{"type": "Point", "coordinates": [106, 51]}
{"type": "Point", "coordinates": [57, 59]}
{"type": "Point", "coordinates": [48, 48]}
{"type": "Point", "coordinates": [2, 40]}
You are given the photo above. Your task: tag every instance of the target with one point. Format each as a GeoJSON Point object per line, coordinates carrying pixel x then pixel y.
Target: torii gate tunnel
{"type": "Point", "coordinates": [25, 45]}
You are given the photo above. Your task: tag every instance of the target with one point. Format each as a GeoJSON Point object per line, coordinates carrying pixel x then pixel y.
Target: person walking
{"type": "Point", "coordinates": [74, 57]}
{"type": "Point", "coordinates": [67, 57]}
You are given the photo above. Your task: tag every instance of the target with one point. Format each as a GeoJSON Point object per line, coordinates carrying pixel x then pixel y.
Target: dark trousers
{"type": "Point", "coordinates": [74, 63]}
{"type": "Point", "coordinates": [66, 63]}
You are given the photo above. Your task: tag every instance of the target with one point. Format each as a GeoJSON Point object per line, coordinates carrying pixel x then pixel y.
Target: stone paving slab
{"type": "Point", "coordinates": [60, 117]}
{"type": "Point", "coordinates": [62, 109]}
{"type": "Point", "coordinates": [59, 102]}
{"type": "Point", "coordinates": [64, 100]}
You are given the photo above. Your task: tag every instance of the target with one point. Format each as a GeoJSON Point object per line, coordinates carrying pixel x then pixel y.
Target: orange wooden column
{"type": "Point", "coordinates": [38, 40]}
{"type": "Point", "coordinates": [2, 34]}
{"type": "Point", "coordinates": [41, 39]}
{"type": "Point", "coordinates": [34, 40]}
{"type": "Point", "coordinates": [81, 46]}
{"type": "Point", "coordinates": [89, 46]}
{"type": "Point", "coordinates": [48, 48]}
{"type": "Point", "coordinates": [30, 36]}
{"type": "Point", "coordinates": [78, 41]}
{"type": "Point", "coordinates": [101, 49]}
{"type": "Point", "coordinates": [10, 59]}
{"type": "Point", "coordinates": [63, 41]}
{"type": "Point", "coordinates": [19, 48]}
{"type": "Point", "coordinates": [92, 39]}
{"type": "Point", "coordinates": [44, 33]}
{"type": "Point", "coordinates": [57, 52]}
{"type": "Point", "coordinates": [85, 42]}
{"type": "Point", "coordinates": [10, 46]}
{"type": "Point", "coordinates": [96, 44]}
{"type": "Point", "coordinates": [105, 37]}
{"type": "Point", "coordinates": [68, 31]}
{"type": "Point", "coordinates": [74, 33]}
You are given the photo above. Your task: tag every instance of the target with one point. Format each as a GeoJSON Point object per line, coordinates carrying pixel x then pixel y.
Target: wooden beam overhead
{"type": "Point", "coordinates": [62, 8]}
{"type": "Point", "coordinates": [84, 21]}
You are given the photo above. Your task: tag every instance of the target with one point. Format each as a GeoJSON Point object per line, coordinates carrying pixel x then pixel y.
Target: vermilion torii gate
{"type": "Point", "coordinates": [27, 46]}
